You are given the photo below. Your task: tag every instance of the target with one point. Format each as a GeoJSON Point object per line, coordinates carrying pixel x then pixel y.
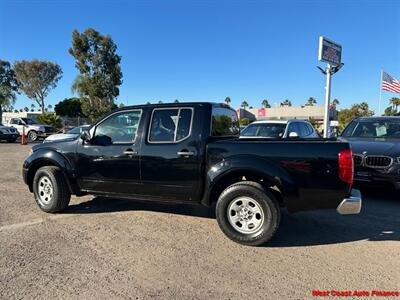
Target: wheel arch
{"type": "Point", "coordinates": [275, 179]}
{"type": "Point", "coordinates": [42, 158]}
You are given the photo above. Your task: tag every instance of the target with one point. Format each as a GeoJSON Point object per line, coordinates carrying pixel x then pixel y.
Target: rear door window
{"type": "Point", "coordinates": [170, 125]}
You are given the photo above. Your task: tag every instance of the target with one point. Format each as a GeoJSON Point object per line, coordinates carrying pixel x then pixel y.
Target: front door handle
{"type": "Point", "coordinates": [185, 153]}
{"type": "Point", "coordinates": [130, 152]}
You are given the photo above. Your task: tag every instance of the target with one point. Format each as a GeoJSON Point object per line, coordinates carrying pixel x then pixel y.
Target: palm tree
{"type": "Point", "coordinates": [227, 100]}
{"type": "Point", "coordinates": [244, 104]}
{"type": "Point", "coordinates": [287, 102]}
{"type": "Point", "coordinates": [26, 109]}
{"type": "Point", "coordinates": [265, 104]}
{"type": "Point", "coordinates": [335, 103]}
{"type": "Point", "coordinates": [395, 102]}
{"type": "Point", "coordinates": [311, 101]}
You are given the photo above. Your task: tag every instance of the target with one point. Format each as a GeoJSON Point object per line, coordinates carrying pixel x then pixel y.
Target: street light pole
{"type": "Point", "coordinates": [327, 101]}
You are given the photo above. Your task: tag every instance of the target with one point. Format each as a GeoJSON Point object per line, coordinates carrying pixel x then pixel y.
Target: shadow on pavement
{"type": "Point", "coordinates": [105, 205]}
{"type": "Point", "coordinates": [379, 220]}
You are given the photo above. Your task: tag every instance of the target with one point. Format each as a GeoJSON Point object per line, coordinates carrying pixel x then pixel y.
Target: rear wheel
{"type": "Point", "coordinates": [51, 189]}
{"type": "Point", "coordinates": [248, 213]}
{"type": "Point", "coordinates": [32, 135]}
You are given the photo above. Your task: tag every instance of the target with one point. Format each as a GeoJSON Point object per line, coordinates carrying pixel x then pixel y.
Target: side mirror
{"type": "Point", "coordinates": [293, 135]}
{"type": "Point", "coordinates": [85, 136]}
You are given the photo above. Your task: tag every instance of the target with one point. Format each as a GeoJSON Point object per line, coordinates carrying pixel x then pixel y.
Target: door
{"type": "Point", "coordinates": [109, 163]}
{"type": "Point", "coordinates": [170, 156]}
{"type": "Point", "coordinates": [18, 124]}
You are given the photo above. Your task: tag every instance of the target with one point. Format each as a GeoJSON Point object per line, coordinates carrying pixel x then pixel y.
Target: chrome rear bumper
{"type": "Point", "coordinates": [350, 205]}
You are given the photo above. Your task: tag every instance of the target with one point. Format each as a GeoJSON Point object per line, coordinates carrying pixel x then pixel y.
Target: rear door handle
{"type": "Point", "coordinates": [185, 153]}
{"type": "Point", "coordinates": [130, 152]}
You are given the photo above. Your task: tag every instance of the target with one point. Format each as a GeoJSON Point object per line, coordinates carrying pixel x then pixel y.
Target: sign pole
{"type": "Point", "coordinates": [327, 101]}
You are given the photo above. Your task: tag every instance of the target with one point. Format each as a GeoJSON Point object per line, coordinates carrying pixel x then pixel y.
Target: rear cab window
{"type": "Point", "coordinates": [224, 122]}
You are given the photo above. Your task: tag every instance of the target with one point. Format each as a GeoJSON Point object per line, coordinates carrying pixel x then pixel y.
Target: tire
{"type": "Point", "coordinates": [32, 136]}
{"type": "Point", "coordinates": [247, 213]}
{"type": "Point", "coordinates": [50, 189]}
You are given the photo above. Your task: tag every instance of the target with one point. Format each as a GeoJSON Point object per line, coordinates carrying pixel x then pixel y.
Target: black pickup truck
{"type": "Point", "coordinates": [191, 153]}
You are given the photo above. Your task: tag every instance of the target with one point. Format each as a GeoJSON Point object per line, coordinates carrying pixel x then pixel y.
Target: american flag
{"type": "Point", "coordinates": [390, 84]}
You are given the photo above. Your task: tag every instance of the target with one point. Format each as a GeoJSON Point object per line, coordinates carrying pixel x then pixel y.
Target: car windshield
{"type": "Point", "coordinates": [373, 129]}
{"type": "Point", "coordinates": [28, 121]}
{"type": "Point", "coordinates": [270, 130]}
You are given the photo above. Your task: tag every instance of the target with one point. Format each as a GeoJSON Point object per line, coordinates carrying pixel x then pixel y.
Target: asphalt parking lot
{"type": "Point", "coordinates": [104, 249]}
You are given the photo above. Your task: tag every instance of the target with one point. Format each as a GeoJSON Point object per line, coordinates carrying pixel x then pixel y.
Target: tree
{"type": "Point", "coordinates": [265, 104]}
{"type": "Point", "coordinates": [395, 102]}
{"type": "Point", "coordinates": [227, 100]}
{"type": "Point", "coordinates": [26, 109]}
{"type": "Point", "coordinates": [244, 121]}
{"type": "Point", "coordinates": [311, 101]}
{"type": "Point", "coordinates": [49, 107]}
{"type": "Point", "coordinates": [356, 110]}
{"type": "Point", "coordinates": [160, 102]}
{"type": "Point", "coordinates": [244, 104]}
{"type": "Point", "coordinates": [287, 102]}
{"type": "Point", "coordinates": [335, 103]}
{"type": "Point", "coordinates": [50, 119]}
{"type": "Point", "coordinates": [8, 87]}
{"type": "Point", "coordinates": [100, 72]}
{"type": "Point", "coordinates": [36, 78]}
{"type": "Point", "coordinates": [176, 101]}
{"type": "Point", "coordinates": [69, 107]}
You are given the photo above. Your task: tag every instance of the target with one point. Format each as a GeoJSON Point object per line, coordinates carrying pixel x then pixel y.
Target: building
{"type": "Point", "coordinates": [8, 115]}
{"type": "Point", "coordinates": [287, 112]}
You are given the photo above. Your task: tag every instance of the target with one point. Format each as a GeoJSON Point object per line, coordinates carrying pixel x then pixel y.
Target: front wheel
{"type": "Point", "coordinates": [51, 189]}
{"type": "Point", "coordinates": [248, 213]}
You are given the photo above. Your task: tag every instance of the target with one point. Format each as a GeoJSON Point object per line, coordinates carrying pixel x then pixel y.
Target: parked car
{"type": "Point", "coordinates": [70, 134]}
{"type": "Point", "coordinates": [33, 129]}
{"type": "Point", "coordinates": [8, 134]}
{"type": "Point", "coordinates": [280, 129]}
{"type": "Point", "coordinates": [375, 142]}
{"type": "Point", "coordinates": [191, 153]}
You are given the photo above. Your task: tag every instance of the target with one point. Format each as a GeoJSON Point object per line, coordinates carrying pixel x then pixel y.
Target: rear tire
{"type": "Point", "coordinates": [50, 189]}
{"type": "Point", "coordinates": [32, 136]}
{"type": "Point", "coordinates": [248, 213]}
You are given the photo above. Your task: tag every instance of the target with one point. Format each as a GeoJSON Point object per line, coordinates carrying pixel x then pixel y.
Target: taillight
{"type": "Point", "coordinates": [346, 166]}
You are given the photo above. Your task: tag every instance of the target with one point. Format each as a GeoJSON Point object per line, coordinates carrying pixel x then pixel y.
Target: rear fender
{"type": "Point", "coordinates": [272, 175]}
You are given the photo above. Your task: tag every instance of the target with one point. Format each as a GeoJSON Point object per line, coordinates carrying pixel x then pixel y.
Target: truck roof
{"type": "Point", "coordinates": [173, 104]}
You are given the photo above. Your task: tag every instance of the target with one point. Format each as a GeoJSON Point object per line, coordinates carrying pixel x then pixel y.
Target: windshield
{"type": "Point", "coordinates": [270, 130]}
{"type": "Point", "coordinates": [78, 130]}
{"type": "Point", "coordinates": [373, 129]}
{"type": "Point", "coordinates": [28, 121]}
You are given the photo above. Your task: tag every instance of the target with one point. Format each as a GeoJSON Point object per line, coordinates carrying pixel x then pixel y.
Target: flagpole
{"type": "Point", "coordinates": [380, 92]}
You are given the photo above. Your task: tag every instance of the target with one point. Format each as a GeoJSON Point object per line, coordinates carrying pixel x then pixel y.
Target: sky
{"type": "Point", "coordinates": [208, 50]}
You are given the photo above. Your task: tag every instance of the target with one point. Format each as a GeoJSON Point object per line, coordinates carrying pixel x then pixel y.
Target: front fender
{"type": "Point", "coordinates": [48, 157]}
{"type": "Point", "coordinates": [272, 174]}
